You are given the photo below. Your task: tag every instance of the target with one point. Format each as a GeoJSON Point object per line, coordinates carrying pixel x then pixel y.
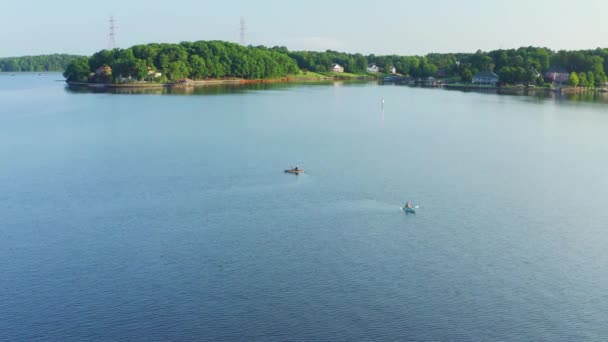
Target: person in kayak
{"type": "Point", "coordinates": [296, 169]}
{"type": "Point", "coordinates": [408, 205]}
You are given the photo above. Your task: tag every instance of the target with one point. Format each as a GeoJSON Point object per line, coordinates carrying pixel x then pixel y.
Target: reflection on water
{"type": "Point", "coordinates": [537, 94]}
{"type": "Point", "coordinates": [212, 89]}
{"type": "Point", "coordinates": [587, 97]}
{"type": "Point", "coordinates": [219, 89]}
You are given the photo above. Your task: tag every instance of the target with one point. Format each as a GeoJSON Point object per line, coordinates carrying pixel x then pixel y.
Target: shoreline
{"type": "Point", "coordinates": [201, 83]}
{"type": "Point", "coordinates": [506, 90]}
{"type": "Point", "coordinates": [512, 89]}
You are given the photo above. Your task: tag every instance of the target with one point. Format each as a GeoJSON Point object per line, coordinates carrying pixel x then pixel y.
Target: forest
{"type": "Point", "coordinates": [217, 59]}
{"type": "Point", "coordinates": [42, 63]}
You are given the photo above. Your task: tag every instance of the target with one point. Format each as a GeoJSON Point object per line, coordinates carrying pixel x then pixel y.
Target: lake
{"type": "Point", "coordinates": [168, 217]}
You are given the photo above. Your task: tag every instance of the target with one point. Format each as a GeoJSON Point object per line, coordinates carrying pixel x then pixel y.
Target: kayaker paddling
{"type": "Point", "coordinates": [409, 208]}
{"type": "Point", "coordinates": [296, 170]}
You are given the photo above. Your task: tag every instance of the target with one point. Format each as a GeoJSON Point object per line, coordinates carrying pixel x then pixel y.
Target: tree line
{"type": "Point", "coordinates": [42, 63]}
{"type": "Point", "coordinates": [216, 59]}
{"type": "Point", "coordinates": [195, 60]}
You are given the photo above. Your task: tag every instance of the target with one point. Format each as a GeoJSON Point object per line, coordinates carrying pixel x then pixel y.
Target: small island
{"type": "Point", "coordinates": [216, 62]}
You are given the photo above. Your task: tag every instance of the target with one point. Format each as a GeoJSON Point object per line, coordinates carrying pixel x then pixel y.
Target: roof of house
{"type": "Point", "coordinates": [104, 69]}
{"type": "Point", "coordinates": [485, 74]}
{"type": "Point", "coordinates": [336, 65]}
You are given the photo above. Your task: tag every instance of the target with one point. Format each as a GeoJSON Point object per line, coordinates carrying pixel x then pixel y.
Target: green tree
{"type": "Point", "coordinates": [590, 79]}
{"type": "Point", "coordinates": [466, 75]}
{"type": "Point", "coordinates": [78, 70]}
{"type": "Point", "coordinates": [197, 67]}
{"type": "Point", "coordinates": [600, 78]}
{"type": "Point", "coordinates": [178, 70]}
{"type": "Point", "coordinates": [574, 80]}
{"type": "Point", "coordinates": [583, 82]}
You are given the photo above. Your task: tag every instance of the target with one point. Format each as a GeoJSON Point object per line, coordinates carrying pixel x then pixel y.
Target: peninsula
{"type": "Point", "coordinates": [204, 62]}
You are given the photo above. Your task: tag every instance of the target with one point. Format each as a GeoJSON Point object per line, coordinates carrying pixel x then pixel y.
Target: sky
{"type": "Point", "coordinates": [380, 27]}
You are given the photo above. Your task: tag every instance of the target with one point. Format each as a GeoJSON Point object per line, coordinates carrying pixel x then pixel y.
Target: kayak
{"type": "Point", "coordinates": [409, 210]}
{"type": "Point", "coordinates": [295, 172]}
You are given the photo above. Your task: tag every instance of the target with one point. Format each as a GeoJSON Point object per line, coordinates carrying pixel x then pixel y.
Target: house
{"type": "Point", "coordinates": [153, 73]}
{"type": "Point", "coordinates": [557, 75]}
{"type": "Point", "coordinates": [373, 68]}
{"type": "Point", "coordinates": [442, 72]}
{"type": "Point", "coordinates": [485, 77]}
{"type": "Point", "coordinates": [393, 70]}
{"type": "Point", "coordinates": [102, 74]}
{"type": "Point", "coordinates": [337, 68]}
{"type": "Point", "coordinates": [104, 70]}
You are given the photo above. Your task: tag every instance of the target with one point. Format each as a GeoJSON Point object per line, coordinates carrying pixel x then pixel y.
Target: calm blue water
{"type": "Point", "coordinates": [168, 218]}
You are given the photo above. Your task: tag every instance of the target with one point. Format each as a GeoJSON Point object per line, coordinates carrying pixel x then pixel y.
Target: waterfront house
{"type": "Point", "coordinates": [485, 78]}
{"type": "Point", "coordinates": [373, 68]}
{"type": "Point", "coordinates": [153, 73]}
{"type": "Point", "coordinates": [557, 75]}
{"type": "Point", "coordinates": [393, 70]}
{"type": "Point", "coordinates": [102, 74]}
{"type": "Point", "coordinates": [442, 72]}
{"type": "Point", "coordinates": [337, 68]}
{"type": "Point", "coordinates": [104, 70]}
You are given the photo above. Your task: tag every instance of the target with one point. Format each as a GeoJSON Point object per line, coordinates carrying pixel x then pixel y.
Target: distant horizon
{"type": "Point", "coordinates": [387, 27]}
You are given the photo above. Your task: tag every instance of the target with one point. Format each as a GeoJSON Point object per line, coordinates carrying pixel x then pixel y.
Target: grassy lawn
{"type": "Point", "coordinates": [338, 75]}
{"type": "Point", "coordinates": [307, 75]}
{"type": "Point", "coordinates": [347, 75]}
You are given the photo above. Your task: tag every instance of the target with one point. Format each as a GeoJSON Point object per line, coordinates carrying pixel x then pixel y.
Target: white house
{"type": "Point", "coordinates": [373, 68]}
{"type": "Point", "coordinates": [485, 77]}
{"type": "Point", "coordinates": [153, 74]}
{"type": "Point", "coordinates": [393, 70]}
{"type": "Point", "coordinates": [337, 68]}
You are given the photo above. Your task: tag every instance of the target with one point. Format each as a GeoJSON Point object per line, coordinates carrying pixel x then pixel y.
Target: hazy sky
{"type": "Point", "coordinates": [380, 27]}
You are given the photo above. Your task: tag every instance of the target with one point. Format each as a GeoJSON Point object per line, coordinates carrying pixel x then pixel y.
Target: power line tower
{"type": "Point", "coordinates": [112, 34]}
{"type": "Point", "coordinates": [243, 31]}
